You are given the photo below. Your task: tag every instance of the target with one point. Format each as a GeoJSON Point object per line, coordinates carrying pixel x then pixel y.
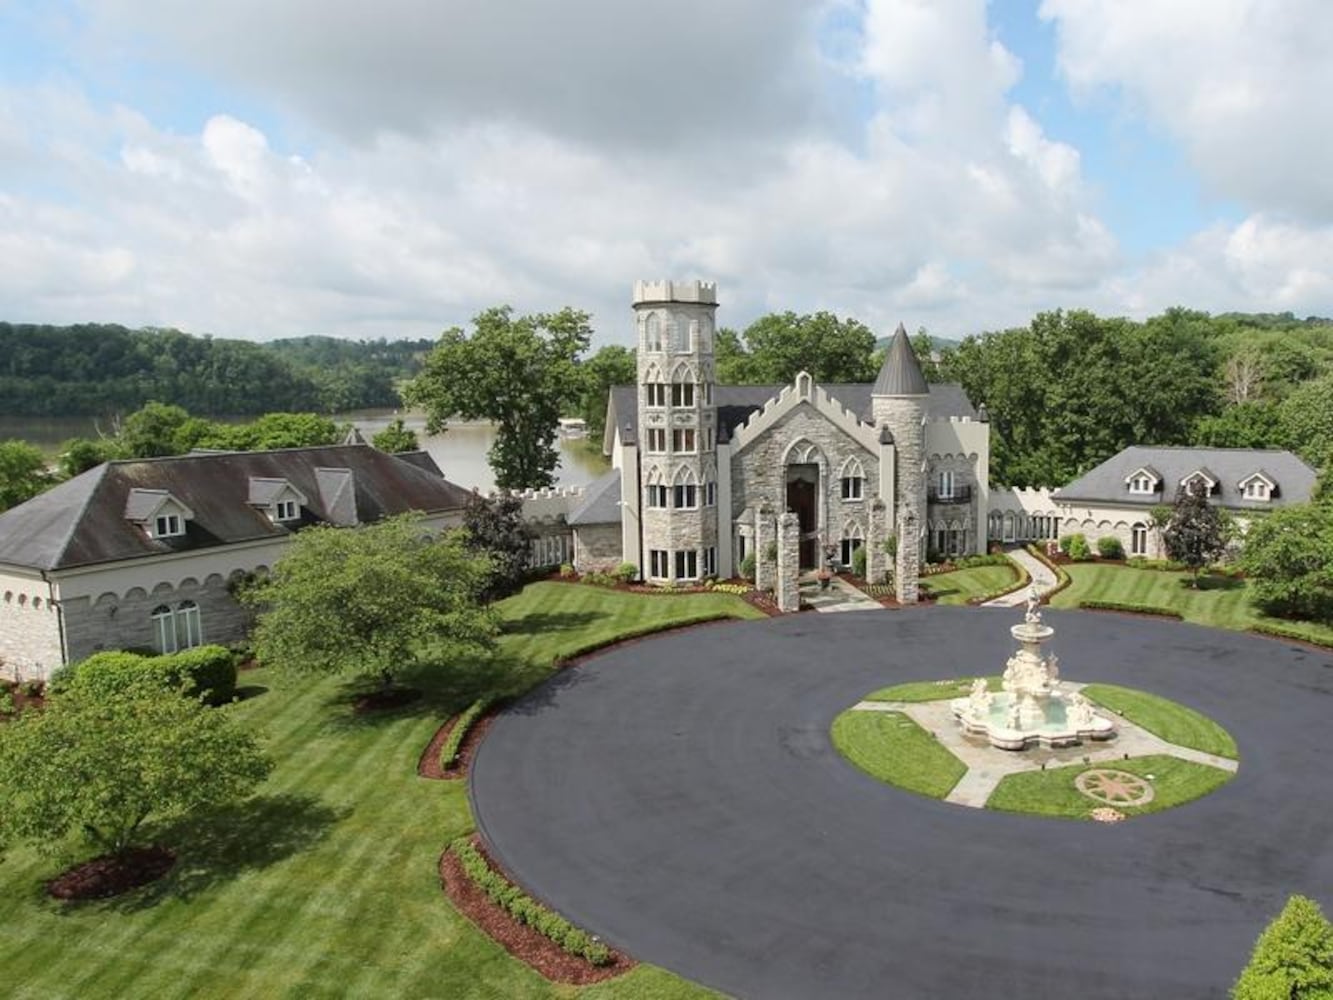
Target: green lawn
{"type": "Point", "coordinates": [1052, 792]}
{"type": "Point", "coordinates": [1172, 722]}
{"type": "Point", "coordinates": [914, 691]}
{"type": "Point", "coordinates": [1219, 601]}
{"type": "Point", "coordinates": [324, 885]}
{"type": "Point", "coordinates": [963, 584]}
{"type": "Point", "coordinates": [891, 747]}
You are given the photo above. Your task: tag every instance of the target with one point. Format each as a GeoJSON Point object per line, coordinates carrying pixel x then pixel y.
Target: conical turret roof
{"type": "Point", "coordinates": [900, 374]}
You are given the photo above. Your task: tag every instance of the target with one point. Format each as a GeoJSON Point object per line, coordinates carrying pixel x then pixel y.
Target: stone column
{"type": "Point", "coordinates": [877, 560]}
{"type": "Point", "coordinates": [765, 537]}
{"type": "Point", "coordinates": [907, 569]}
{"type": "Point", "coordinates": [789, 562]}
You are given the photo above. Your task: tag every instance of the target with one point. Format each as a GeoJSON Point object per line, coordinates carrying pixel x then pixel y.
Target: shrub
{"type": "Point", "coordinates": [747, 566]}
{"type": "Point", "coordinates": [859, 561]}
{"type": "Point", "coordinates": [31, 689]}
{"type": "Point", "coordinates": [1109, 547]}
{"type": "Point", "coordinates": [61, 678]}
{"type": "Point", "coordinates": [771, 552]}
{"type": "Point", "coordinates": [524, 909]}
{"type": "Point", "coordinates": [567, 571]}
{"type": "Point", "coordinates": [891, 546]}
{"type": "Point", "coordinates": [992, 559]}
{"type": "Point", "coordinates": [207, 672]}
{"type": "Point", "coordinates": [454, 742]}
{"type": "Point", "coordinates": [1078, 549]}
{"type": "Point", "coordinates": [600, 579]}
{"type": "Point", "coordinates": [626, 572]}
{"type": "Point", "coordinates": [1293, 956]}
{"type": "Point", "coordinates": [1136, 609]}
{"type": "Point", "coordinates": [7, 706]}
{"type": "Point", "coordinates": [1292, 631]}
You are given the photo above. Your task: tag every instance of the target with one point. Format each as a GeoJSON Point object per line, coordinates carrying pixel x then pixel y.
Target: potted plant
{"type": "Point", "coordinates": [824, 576]}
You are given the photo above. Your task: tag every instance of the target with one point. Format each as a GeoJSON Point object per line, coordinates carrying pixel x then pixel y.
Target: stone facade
{"type": "Point", "coordinates": [597, 548]}
{"type": "Point", "coordinates": [789, 563]}
{"type": "Point", "coordinates": [29, 627]}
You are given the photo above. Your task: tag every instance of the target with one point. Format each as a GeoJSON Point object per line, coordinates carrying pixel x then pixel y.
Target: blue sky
{"type": "Point", "coordinates": [262, 170]}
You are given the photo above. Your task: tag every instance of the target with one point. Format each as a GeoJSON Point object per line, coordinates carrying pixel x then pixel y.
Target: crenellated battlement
{"type": "Point", "coordinates": [701, 292]}
{"type": "Point", "coordinates": [804, 389]}
{"type": "Point", "coordinates": [543, 493]}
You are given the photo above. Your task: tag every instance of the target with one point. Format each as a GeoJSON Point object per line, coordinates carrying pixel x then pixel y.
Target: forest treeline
{"type": "Point", "coordinates": [99, 369]}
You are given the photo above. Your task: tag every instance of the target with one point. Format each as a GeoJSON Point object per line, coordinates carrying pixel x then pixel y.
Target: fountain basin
{"type": "Point", "coordinates": [1055, 729]}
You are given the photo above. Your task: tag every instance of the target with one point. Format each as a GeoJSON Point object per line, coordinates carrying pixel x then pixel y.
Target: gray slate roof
{"type": "Point", "coordinates": [82, 521]}
{"type": "Point", "coordinates": [600, 503]}
{"type": "Point", "coordinates": [736, 403]}
{"type": "Point", "coordinates": [1227, 466]}
{"type": "Point", "coordinates": [900, 375]}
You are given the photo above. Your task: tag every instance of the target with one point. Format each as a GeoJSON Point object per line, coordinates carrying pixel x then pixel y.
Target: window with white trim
{"type": "Point", "coordinates": [852, 487]}
{"type": "Point", "coordinates": [946, 485]}
{"type": "Point", "coordinates": [657, 393]}
{"type": "Point", "coordinates": [178, 628]}
{"type": "Point", "coordinates": [710, 560]}
{"type": "Point", "coordinates": [286, 510]}
{"type": "Point", "coordinates": [708, 393]}
{"type": "Point", "coordinates": [656, 440]}
{"type": "Point", "coordinates": [1256, 489]}
{"type": "Point", "coordinates": [168, 526]}
{"type": "Point", "coordinates": [710, 494]}
{"type": "Point", "coordinates": [682, 393]}
{"type": "Point", "coordinates": [681, 340]}
{"type": "Point", "coordinates": [682, 439]}
{"type": "Point", "coordinates": [686, 496]}
{"type": "Point", "coordinates": [657, 495]}
{"type": "Point", "coordinates": [846, 548]}
{"type": "Point", "coordinates": [1143, 483]}
{"type": "Point", "coordinates": [659, 564]}
{"type": "Point", "coordinates": [1138, 540]}
{"type": "Point", "coordinates": [709, 440]}
{"type": "Point", "coordinates": [687, 565]}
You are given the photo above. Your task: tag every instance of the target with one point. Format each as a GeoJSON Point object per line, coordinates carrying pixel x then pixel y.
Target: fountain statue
{"type": "Point", "coordinates": [1030, 709]}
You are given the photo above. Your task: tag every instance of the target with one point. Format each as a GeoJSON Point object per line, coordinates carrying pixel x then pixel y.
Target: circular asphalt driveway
{"type": "Point", "coordinates": [681, 797]}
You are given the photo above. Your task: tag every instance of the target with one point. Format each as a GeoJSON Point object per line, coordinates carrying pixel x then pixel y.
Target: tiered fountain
{"type": "Point", "coordinates": [1030, 710]}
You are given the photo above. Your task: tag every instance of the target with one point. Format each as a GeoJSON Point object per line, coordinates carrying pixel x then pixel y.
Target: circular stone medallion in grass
{"type": "Point", "coordinates": [906, 736]}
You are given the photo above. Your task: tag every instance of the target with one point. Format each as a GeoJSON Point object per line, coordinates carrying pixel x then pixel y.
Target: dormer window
{"type": "Point", "coordinates": [168, 526]}
{"type": "Point", "coordinates": [1199, 483]}
{"type": "Point", "coordinates": [1257, 487]}
{"type": "Point", "coordinates": [277, 498]}
{"type": "Point", "coordinates": [1143, 482]}
{"type": "Point", "coordinates": [286, 510]}
{"type": "Point", "coordinates": [1256, 490]}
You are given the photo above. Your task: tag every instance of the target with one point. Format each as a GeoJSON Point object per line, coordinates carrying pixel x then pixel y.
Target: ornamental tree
{"type": "Point", "coordinates": [1293, 958]}
{"type": "Point", "coordinates": [495, 528]}
{"type": "Point", "coordinates": [103, 761]}
{"type": "Point", "coordinates": [372, 599]}
{"type": "Point", "coordinates": [1197, 533]}
{"type": "Point", "coordinates": [1289, 558]}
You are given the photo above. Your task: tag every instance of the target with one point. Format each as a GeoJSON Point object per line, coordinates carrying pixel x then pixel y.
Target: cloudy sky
{"type": "Point", "coordinates": [262, 169]}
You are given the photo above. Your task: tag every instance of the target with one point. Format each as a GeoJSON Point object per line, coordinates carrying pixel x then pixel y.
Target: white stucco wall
{"type": "Point", "coordinates": [29, 626]}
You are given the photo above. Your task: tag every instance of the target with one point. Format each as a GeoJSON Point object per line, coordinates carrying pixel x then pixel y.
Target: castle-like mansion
{"type": "Point", "coordinates": [703, 474]}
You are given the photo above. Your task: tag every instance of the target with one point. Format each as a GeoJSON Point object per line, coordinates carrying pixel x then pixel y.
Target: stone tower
{"type": "Point", "coordinates": [898, 402]}
{"type": "Point", "coordinates": [677, 428]}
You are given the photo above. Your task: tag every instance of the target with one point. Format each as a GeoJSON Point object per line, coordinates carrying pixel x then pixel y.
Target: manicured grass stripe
{"type": "Point", "coordinates": [891, 747]}
{"type": "Point", "coordinates": [1171, 721]}
{"type": "Point", "coordinates": [1053, 793]}
{"type": "Point", "coordinates": [917, 691]}
{"type": "Point", "coordinates": [962, 585]}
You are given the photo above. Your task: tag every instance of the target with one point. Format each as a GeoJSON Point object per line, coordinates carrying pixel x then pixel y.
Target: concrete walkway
{"type": "Point", "coordinates": [840, 596]}
{"type": "Point", "coordinates": [1042, 578]}
{"type": "Point", "coordinates": [986, 766]}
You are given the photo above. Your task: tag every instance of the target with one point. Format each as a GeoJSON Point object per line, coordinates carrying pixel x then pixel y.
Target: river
{"type": "Point", "coordinates": [460, 451]}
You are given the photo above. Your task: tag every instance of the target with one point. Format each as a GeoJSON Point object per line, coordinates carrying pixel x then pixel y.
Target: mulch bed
{"type": "Point", "coordinates": [523, 942]}
{"type": "Point", "coordinates": [22, 702]}
{"type": "Point", "coordinates": [382, 701]}
{"type": "Point", "coordinates": [112, 874]}
{"type": "Point", "coordinates": [1174, 616]}
{"type": "Point", "coordinates": [429, 764]}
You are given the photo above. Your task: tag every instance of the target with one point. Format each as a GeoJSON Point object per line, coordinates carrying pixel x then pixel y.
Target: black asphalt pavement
{"type": "Point", "coordinates": [682, 798]}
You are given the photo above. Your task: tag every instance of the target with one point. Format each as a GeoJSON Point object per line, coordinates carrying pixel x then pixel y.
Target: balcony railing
{"type": "Point", "coordinates": [960, 494]}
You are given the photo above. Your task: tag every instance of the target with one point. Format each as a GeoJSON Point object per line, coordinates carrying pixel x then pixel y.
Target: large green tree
{"type": "Point", "coordinates": [1293, 958]}
{"type": "Point", "coordinates": [1306, 418]}
{"type": "Point", "coordinates": [396, 438]}
{"type": "Point", "coordinates": [515, 371]}
{"type": "Point", "coordinates": [373, 600]}
{"type": "Point", "coordinates": [1288, 556]}
{"type": "Point", "coordinates": [609, 366]}
{"type": "Point", "coordinates": [23, 473]}
{"type": "Point", "coordinates": [103, 761]}
{"type": "Point", "coordinates": [780, 345]}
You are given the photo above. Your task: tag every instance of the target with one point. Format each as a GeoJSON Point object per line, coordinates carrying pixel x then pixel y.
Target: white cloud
{"type": "Point", "coordinates": [1246, 86]}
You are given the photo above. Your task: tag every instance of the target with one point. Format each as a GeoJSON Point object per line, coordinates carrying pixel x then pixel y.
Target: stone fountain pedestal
{"type": "Point", "coordinates": [1030, 710]}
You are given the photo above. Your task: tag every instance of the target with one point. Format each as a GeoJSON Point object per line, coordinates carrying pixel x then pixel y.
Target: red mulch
{"type": "Point", "coordinates": [520, 940]}
{"type": "Point", "coordinates": [22, 702]}
{"type": "Point", "coordinates": [112, 874]}
{"type": "Point", "coordinates": [381, 701]}
{"type": "Point", "coordinates": [429, 764]}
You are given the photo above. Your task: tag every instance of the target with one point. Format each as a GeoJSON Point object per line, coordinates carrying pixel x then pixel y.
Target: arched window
{"type": "Point", "coordinates": [705, 334]}
{"type": "Point", "coordinates": [853, 480]}
{"type": "Point", "coordinates": [655, 386]}
{"type": "Point", "coordinates": [682, 386]}
{"type": "Point", "coordinates": [656, 494]}
{"type": "Point", "coordinates": [178, 629]}
{"type": "Point", "coordinates": [682, 339]}
{"type": "Point", "coordinates": [710, 484]}
{"type": "Point", "coordinates": [685, 490]}
{"type": "Point", "coordinates": [852, 539]}
{"type": "Point", "coordinates": [1138, 540]}
{"type": "Point", "coordinates": [652, 333]}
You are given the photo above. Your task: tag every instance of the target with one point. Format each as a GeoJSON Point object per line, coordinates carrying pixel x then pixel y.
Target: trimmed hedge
{"type": "Point", "coordinates": [1277, 631]}
{"type": "Point", "coordinates": [1109, 547]}
{"type": "Point", "coordinates": [639, 633]}
{"type": "Point", "coordinates": [1024, 580]}
{"type": "Point", "coordinates": [1135, 609]}
{"type": "Point", "coordinates": [525, 909]}
{"type": "Point", "coordinates": [207, 672]}
{"type": "Point", "coordinates": [454, 742]}
{"type": "Point", "coordinates": [1062, 579]}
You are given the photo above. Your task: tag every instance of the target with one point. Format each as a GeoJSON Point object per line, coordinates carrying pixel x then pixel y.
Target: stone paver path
{"type": "Point", "coordinates": [1042, 578]}
{"type": "Point", "coordinates": [986, 766]}
{"type": "Point", "coordinates": [840, 596]}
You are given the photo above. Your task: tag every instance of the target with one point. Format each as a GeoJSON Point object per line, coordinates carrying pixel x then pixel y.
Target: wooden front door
{"type": "Point", "coordinates": [802, 498]}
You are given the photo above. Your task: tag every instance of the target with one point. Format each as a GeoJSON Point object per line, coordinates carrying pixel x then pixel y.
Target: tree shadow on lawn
{"type": "Point", "coordinates": [218, 845]}
{"type": "Point", "coordinates": [544, 696]}
{"type": "Point", "coordinates": [1213, 583]}
{"type": "Point", "coordinates": [537, 622]}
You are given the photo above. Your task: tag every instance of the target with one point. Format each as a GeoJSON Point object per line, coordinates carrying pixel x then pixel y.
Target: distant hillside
{"type": "Point", "coordinates": [95, 369]}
